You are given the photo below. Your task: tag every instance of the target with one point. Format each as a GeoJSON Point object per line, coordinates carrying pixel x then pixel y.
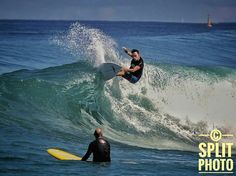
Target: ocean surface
{"type": "Point", "coordinates": [51, 95]}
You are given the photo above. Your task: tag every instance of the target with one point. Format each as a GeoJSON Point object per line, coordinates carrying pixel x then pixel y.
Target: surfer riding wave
{"type": "Point", "coordinates": [135, 71]}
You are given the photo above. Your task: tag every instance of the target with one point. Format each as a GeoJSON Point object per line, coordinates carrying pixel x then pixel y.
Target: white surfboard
{"type": "Point", "coordinates": [108, 70]}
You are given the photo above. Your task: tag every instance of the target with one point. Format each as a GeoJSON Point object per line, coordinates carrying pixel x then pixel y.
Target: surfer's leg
{"type": "Point", "coordinates": [121, 73]}
{"type": "Point", "coordinates": [127, 76]}
{"type": "Point", "coordinates": [133, 79]}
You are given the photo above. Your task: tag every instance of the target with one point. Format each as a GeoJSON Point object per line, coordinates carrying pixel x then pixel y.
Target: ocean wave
{"type": "Point", "coordinates": [167, 109]}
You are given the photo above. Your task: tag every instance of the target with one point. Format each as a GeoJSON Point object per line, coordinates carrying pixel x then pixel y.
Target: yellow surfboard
{"type": "Point", "coordinates": [62, 155]}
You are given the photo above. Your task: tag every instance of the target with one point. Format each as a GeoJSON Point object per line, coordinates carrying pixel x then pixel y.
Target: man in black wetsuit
{"type": "Point", "coordinates": [99, 147]}
{"type": "Point", "coordinates": [135, 71]}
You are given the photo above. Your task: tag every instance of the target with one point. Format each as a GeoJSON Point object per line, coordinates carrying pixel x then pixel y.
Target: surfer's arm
{"type": "Point", "coordinates": [133, 69]}
{"type": "Point", "coordinates": [88, 153]}
{"type": "Point", "coordinates": [126, 50]}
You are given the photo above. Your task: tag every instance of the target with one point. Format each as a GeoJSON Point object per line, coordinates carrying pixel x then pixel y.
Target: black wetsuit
{"type": "Point", "coordinates": [100, 149]}
{"type": "Point", "coordinates": [133, 77]}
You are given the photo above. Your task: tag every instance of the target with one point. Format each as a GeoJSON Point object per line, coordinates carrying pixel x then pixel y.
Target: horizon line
{"type": "Point", "coordinates": [153, 21]}
{"type": "Point", "coordinates": [142, 21]}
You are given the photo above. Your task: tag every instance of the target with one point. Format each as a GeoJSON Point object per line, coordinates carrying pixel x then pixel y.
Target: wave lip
{"type": "Point", "coordinates": [89, 43]}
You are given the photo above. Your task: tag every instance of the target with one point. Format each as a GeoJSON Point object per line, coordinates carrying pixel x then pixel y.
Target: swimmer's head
{"type": "Point", "coordinates": [98, 132]}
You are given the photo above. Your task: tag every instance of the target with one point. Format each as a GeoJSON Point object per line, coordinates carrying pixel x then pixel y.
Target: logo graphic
{"type": "Point", "coordinates": [215, 135]}
{"type": "Point", "coordinates": [215, 156]}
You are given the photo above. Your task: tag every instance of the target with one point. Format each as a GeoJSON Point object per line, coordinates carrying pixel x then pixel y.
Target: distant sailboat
{"type": "Point", "coordinates": [209, 24]}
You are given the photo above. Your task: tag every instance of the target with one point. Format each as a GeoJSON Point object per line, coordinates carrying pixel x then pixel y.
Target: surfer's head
{"type": "Point", "coordinates": [98, 132]}
{"type": "Point", "coordinates": [135, 54]}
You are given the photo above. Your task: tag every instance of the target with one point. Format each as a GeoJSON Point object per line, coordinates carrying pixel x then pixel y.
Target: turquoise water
{"type": "Point", "coordinates": [51, 95]}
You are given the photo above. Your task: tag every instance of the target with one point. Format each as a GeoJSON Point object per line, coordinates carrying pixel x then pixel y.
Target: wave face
{"type": "Point", "coordinates": [166, 109]}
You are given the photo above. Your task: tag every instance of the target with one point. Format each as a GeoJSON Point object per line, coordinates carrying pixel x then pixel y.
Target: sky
{"type": "Point", "coordinates": [195, 11]}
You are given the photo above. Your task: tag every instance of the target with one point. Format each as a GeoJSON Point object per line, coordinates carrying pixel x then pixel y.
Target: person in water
{"type": "Point", "coordinates": [135, 71]}
{"type": "Point", "coordinates": [99, 147]}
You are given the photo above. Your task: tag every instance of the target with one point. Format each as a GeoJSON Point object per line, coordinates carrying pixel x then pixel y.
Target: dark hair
{"type": "Point", "coordinates": [97, 133]}
{"type": "Point", "coordinates": [134, 50]}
